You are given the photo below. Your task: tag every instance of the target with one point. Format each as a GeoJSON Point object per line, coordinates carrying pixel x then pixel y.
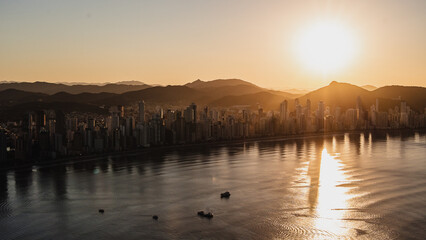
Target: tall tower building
{"type": "Point", "coordinates": [320, 115]}
{"type": "Point", "coordinates": [3, 144]}
{"type": "Point", "coordinates": [320, 109]}
{"type": "Point", "coordinates": [403, 118]}
{"type": "Point", "coordinates": [141, 117]}
{"type": "Point", "coordinates": [193, 106]}
{"type": "Point", "coordinates": [358, 103]}
{"type": "Point", "coordinates": [188, 114]}
{"type": "Point", "coordinates": [403, 107]}
{"type": "Point", "coordinates": [296, 103]}
{"type": "Point", "coordinates": [122, 111]}
{"type": "Point", "coordinates": [283, 110]}
{"type": "Point", "coordinates": [359, 111]}
{"type": "Point", "coordinates": [308, 107]}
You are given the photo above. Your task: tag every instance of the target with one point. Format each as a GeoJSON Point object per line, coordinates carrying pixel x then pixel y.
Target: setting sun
{"type": "Point", "coordinates": [325, 47]}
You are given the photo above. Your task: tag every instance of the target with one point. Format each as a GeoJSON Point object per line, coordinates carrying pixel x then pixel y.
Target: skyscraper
{"type": "Point", "coordinates": [141, 117]}
{"type": "Point", "coordinates": [3, 144]}
{"type": "Point", "coordinates": [403, 118]}
{"type": "Point", "coordinates": [190, 113]}
{"type": "Point", "coordinates": [308, 107]}
{"type": "Point", "coordinates": [283, 111]}
{"type": "Point", "coordinates": [194, 108]}
{"type": "Point", "coordinates": [296, 103]}
{"type": "Point", "coordinates": [359, 112]}
{"type": "Point", "coordinates": [320, 115]}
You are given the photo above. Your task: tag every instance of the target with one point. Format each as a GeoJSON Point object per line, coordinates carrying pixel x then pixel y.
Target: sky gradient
{"type": "Point", "coordinates": [175, 42]}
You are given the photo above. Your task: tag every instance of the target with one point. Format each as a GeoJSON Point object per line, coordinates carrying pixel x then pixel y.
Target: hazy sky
{"type": "Point", "coordinates": [174, 42]}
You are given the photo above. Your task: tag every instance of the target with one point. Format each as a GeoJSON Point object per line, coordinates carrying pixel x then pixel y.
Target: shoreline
{"type": "Point", "coordinates": [137, 151]}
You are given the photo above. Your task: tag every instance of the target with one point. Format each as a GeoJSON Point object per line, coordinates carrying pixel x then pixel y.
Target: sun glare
{"type": "Point", "coordinates": [325, 47]}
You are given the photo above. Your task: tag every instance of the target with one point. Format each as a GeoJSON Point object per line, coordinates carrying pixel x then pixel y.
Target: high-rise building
{"type": "Point", "coordinates": [403, 118]}
{"type": "Point", "coordinates": [141, 117]}
{"type": "Point", "coordinates": [360, 116]}
{"type": "Point", "coordinates": [121, 111]}
{"type": "Point", "coordinates": [60, 122]}
{"type": "Point", "coordinates": [3, 145]}
{"type": "Point", "coordinates": [194, 108]}
{"type": "Point", "coordinates": [40, 120]}
{"type": "Point", "coordinates": [283, 111]}
{"type": "Point", "coordinates": [320, 115]}
{"type": "Point", "coordinates": [307, 117]}
{"type": "Point", "coordinates": [130, 126]}
{"type": "Point", "coordinates": [358, 103]}
{"type": "Point", "coordinates": [403, 107]}
{"type": "Point", "coordinates": [189, 114]}
{"type": "Point", "coordinates": [382, 120]}
{"type": "Point", "coordinates": [351, 118]}
{"type": "Point", "coordinates": [308, 108]}
{"type": "Point", "coordinates": [91, 123]}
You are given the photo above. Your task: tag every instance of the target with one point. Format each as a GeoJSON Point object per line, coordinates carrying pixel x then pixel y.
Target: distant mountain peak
{"type": "Point", "coordinates": [369, 87]}
{"type": "Point", "coordinates": [217, 83]}
{"type": "Point", "coordinates": [336, 84]}
{"type": "Point", "coordinates": [131, 82]}
{"type": "Point", "coordinates": [52, 88]}
{"type": "Point", "coordinates": [296, 91]}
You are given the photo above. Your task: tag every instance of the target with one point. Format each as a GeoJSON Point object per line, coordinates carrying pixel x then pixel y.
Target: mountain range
{"type": "Point", "coordinates": [52, 88]}
{"type": "Point", "coordinates": [16, 98]}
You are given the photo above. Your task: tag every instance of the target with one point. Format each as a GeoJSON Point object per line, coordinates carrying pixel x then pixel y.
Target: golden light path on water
{"type": "Point", "coordinates": [328, 195]}
{"type": "Point", "coordinates": [332, 199]}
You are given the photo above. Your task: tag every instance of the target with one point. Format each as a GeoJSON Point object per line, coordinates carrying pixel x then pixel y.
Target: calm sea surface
{"type": "Point", "coordinates": [361, 186]}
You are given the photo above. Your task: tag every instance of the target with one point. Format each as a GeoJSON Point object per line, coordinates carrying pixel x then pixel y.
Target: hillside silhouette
{"type": "Point", "coordinates": [336, 94]}
{"type": "Point", "coordinates": [198, 84]}
{"type": "Point", "coordinates": [52, 88]}
{"type": "Point", "coordinates": [217, 93]}
{"type": "Point", "coordinates": [233, 87]}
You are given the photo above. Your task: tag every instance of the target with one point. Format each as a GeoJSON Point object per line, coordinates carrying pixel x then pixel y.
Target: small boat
{"type": "Point", "coordinates": [101, 210]}
{"type": "Point", "coordinates": [203, 214]}
{"type": "Point", "coordinates": [200, 213]}
{"type": "Point", "coordinates": [225, 195]}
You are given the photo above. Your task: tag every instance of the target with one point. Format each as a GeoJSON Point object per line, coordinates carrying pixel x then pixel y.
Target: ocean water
{"type": "Point", "coordinates": [343, 186]}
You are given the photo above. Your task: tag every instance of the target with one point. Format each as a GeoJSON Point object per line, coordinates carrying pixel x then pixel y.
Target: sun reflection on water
{"type": "Point", "coordinates": [331, 204]}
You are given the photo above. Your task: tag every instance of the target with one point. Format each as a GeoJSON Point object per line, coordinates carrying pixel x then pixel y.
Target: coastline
{"type": "Point", "coordinates": [137, 151]}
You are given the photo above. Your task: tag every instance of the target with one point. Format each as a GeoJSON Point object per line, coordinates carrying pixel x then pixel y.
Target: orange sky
{"type": "Point", "coordinates": [171, 42]}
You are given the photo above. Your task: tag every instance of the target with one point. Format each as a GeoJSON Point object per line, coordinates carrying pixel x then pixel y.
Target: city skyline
{"type": "Point", "coordinates": [169, 43]}
{"type": "Point", "coordinates": [42, 135]}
